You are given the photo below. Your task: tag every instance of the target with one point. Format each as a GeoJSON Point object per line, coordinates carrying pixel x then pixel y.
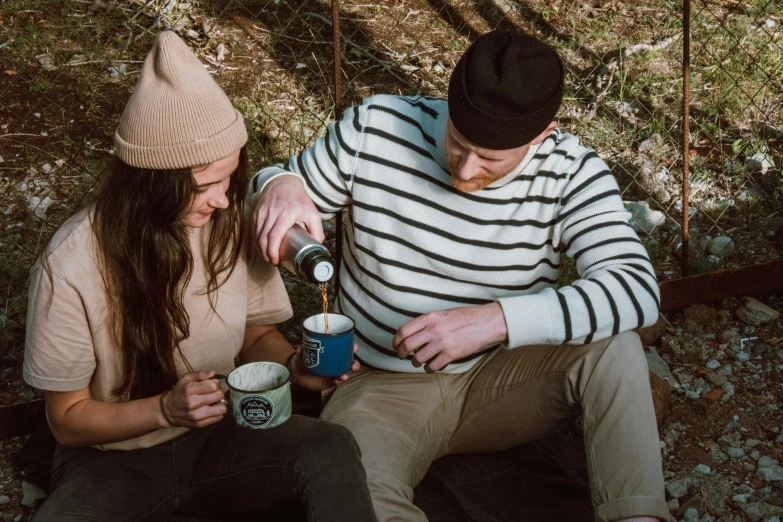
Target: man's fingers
{"type": "Point", "coordinates": [315, 227]}
{"type": "Point", "coordinates": [264, 240]}
{"type": "Point", "coordinates": [438, 363]}
{"type": "Point", "coordinates": [424, 354]}
{"type": "Point", "coordinates": [412, 343]}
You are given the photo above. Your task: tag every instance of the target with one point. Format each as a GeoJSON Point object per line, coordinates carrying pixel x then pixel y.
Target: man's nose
{"type": "Point", "coordinates": [468, 167]}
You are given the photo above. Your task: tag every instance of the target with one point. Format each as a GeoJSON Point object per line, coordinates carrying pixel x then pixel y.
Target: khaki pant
{"type": "Point", "coordinates": [403, 422]}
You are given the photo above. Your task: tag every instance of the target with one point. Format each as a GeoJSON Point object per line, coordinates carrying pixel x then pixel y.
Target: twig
{"type": "Point", "coordinates": [216, 64]}
{"type": "Point", "coordinates": [20, 134]}
{"type": "Point", "coordinates": [142, 8]}
{"type": "Point", "coordinates": [666, 321]}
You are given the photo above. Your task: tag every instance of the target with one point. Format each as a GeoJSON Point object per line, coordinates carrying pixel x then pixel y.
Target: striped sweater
{"type": "Point", "coordinates": [415, 244]}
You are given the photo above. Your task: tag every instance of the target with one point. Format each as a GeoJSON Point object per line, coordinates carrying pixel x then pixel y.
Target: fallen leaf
{"type": "Point", "coordinates": [7, 398]}
{"type": "Point", "coordinates": [702, 371]}
{"type": "Point", "coordinates": [713, 395]}
{"type": "Point", "coordinates": [10, 72]}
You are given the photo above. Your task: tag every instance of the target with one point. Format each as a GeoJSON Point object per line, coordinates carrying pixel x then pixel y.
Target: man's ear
{"type": "Point", "coordinates": [541, 137]}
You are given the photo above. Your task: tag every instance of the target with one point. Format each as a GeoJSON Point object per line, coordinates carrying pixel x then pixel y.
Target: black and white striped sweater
{"type": "Point", "coordinates": [415, 243]}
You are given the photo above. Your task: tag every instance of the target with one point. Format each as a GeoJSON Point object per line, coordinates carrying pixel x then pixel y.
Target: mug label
{"type": "Point", "coordinates": [312, 352]}
{"type": "Point", "coordinates": [256, 410]}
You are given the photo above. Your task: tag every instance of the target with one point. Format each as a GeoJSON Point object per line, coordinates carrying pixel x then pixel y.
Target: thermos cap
{"type": "Point", "coordinates": [323, 271]}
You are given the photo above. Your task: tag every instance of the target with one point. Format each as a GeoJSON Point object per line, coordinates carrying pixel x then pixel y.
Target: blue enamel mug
{"type": "Point", "coordinates": [328, 354]}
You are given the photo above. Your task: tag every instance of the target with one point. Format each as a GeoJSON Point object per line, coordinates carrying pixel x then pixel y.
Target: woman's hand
{"type": "Point", "coordinates": [302, 377]}
{"type": "Point", "coordinates": [194, 402]}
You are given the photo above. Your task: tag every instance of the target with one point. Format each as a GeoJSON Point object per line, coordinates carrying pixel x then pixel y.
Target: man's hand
{"type": "Point", "coordinates": [302, 377]}
{"type": "Point", "coordinates": [440, 337]}
{"type": "Point", "coordinates": [283, 202]}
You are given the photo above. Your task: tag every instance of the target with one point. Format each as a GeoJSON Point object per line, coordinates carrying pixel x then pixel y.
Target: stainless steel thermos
{"type": "Point", "coordinates": [305, 257]}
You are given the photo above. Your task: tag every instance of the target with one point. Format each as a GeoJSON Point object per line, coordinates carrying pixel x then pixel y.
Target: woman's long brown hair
{"type": "Point", "coordinates": [146, 263]}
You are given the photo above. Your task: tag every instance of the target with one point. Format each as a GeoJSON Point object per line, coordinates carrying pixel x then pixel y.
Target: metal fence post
{"type": "Point", "coordinates": [338, 102]}
{"type": "Point", "coordinates": [686, 134]}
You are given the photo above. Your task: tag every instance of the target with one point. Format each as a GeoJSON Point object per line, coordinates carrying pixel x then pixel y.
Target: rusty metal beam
{"type": "Point", "coordinates": [707, 288]}
{"type": "Point", "coordinates": [20, 419]}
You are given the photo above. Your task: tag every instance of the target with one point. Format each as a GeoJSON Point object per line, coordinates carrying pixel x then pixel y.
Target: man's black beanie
{"type": "Point", "coordinates": [505, 90]}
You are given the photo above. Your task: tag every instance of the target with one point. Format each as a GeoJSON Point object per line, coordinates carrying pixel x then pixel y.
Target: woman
{"type": "Point", "coordinates": [141, 298]}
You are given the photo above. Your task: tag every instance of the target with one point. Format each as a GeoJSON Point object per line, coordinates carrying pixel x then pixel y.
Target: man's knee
{"type": "Point", "coordinates": [331, 447]}
{"type": "Point", "coordinates": [622, 359]}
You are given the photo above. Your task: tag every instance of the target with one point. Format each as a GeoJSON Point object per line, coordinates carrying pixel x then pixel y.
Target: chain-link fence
{"type": "Point", "coordinates": [68, 69]}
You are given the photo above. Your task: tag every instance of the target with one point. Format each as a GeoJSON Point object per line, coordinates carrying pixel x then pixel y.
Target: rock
{"type": "Point", "coordinates": [756, 313]}
{"type": "Point", "coordinates": [779, 439]}
{"type": "Point", "coordinates": [729, 336]}
{"type": "Point", "coordinates": [733, 452]}
{"type": "Point", "coordinates": [766, 462]}
{"type": "Point", "coordinates": [759, 349]}
{"type": "Point", "coordinates": [661, 393]}
{"type": "Point", "coordinates": [690, 515]}
{"type": "Point", "coordinates": [725, 370]}
{"type": "Point", "coordinates": [660, 367]}
{"type": "Point", "coordinates": [742, 498]}
{"type": "Point", "coordinates": [756, 511]}
{"type": "Point", "coordinates": [31, 494]}
{"type": "Point", "coordinates": [757, 483]}
{"type": "Point", "coordinates": [742, 357]}
{"type": "Point", "coordinates": [654, 142]}
{"type": "Point", "coordinates": [220, 52]}
{"type": "Point", "coordinates": [4, 500]}
{"type": "Point", "coordinates": [691, 457]}
{"type": "Point", "coordinates": [696, 503]}
{"type": "Point", "coordinates": [771, 473]}
{"type": "Point", "coordinates": [716, 380]}
{"type": "Point", "coordinates": [721, 246]}
{"type": "Point", "coordinates": [651, 334]}
{"type": "Point", "coordinates": [643, 218]}
{"type": "Point", "coordinates": [718, 456]}
{"type": "Point", "coordinates": [779, 355]}
{"type": "Point", "coordinates": [46, 61]}
{"type": "Point", "coordinates": [701, 468]}
{"type": "Point", "coordinates": [714, 394]}
{"type": "Point", "coordinates": [723, 318]}
{"type": "Point", "coordinates": [758, 163]}
{"type": "Point", "coordinates": [678, 488]}
{"type": "Point", "coordinates": [702, 315]}
{"type": "Point", "coordinates": [713, 262]}
{"type": "Point", "coordinates": [673, 505]}
{"type": "Point", "coordinates": [118, 71]}
{"type": "Point", "coordinates": [701, 386]}
{"type": "Point", "coordinates": [713, 364]}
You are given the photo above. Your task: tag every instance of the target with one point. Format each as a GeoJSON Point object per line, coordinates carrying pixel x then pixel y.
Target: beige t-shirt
{"type": "Point", "coordinates": [68, 344]}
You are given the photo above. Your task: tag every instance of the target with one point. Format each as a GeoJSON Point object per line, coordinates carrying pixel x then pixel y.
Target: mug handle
{"type": "Point", "coordinates": [221, 377]}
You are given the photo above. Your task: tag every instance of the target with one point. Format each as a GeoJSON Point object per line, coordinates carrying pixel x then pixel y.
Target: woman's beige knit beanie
{"type": "Point", "coordinates": [177, 116]}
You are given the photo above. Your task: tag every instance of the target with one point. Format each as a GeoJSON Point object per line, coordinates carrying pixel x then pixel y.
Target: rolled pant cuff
{"type": "Point", "coordinates": [634, 507]}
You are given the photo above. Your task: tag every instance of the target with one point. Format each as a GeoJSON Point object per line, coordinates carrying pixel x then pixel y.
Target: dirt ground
{"type": "Point", "coordinates": [68, 66]}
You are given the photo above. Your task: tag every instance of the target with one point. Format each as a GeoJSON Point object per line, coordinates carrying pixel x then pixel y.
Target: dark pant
{"type": "Point", "coordinates": [221, 470]}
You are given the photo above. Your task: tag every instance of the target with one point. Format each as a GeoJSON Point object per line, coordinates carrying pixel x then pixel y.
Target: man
{"type": "Point", "coordinates": [459, 212]}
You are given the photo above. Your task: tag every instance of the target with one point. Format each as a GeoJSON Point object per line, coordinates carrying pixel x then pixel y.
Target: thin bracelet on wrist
{"type": "Point", "coordinates": [163, 409]}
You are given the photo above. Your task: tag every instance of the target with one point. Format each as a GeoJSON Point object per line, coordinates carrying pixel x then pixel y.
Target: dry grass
{"type": "Point", "coordinates": [275, 60]}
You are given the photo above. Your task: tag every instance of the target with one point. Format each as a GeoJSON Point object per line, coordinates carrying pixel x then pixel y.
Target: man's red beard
{"type": "Point", "coordinates": [473, 184]}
